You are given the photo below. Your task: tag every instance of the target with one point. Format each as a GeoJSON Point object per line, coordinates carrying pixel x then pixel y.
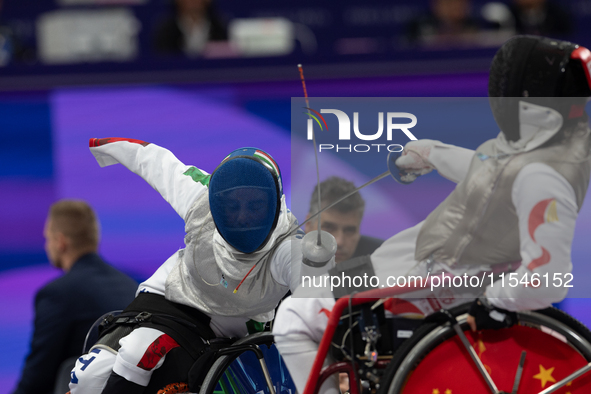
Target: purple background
{"type": "Point", "coordinates": [44, 157]}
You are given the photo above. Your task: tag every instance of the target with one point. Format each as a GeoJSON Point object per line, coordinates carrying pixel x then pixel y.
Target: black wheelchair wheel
{"type": "Point", "coordinates": [434, 359]}
{"type": "Point", "coordinates": [238, 371]}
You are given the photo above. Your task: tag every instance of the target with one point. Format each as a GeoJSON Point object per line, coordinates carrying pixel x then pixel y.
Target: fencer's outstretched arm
{"type": "Point", "coordinates": [286, 262]}
{"type": "Point", "coordinates": [547, 210]}
{"type": "Point", "coordinates": [178, 183]}
{"type": "Point", "coordinates": [289, 266]}
{"type": "Point", "coordinates": [422, 156]}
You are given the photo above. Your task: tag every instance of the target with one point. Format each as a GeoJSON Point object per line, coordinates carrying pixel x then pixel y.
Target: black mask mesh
{"type": "Point", "coordinates": [536, 70]}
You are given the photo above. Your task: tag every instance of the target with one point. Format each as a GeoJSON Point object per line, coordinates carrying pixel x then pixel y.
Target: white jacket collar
{"type": "Point", "coordinates": [537, 124]}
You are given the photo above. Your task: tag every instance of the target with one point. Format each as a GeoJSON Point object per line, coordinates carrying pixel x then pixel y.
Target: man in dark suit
{"type": "Point", "coordinates": [66, 308]}
{"type": "Point", "coordinates": [343, 220]}
{"type": "Point", "coordinates": [189, 28]}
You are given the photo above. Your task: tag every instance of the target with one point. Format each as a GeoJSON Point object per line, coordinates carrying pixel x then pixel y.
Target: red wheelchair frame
{"type": "Point", "coordinates": [318, 375]}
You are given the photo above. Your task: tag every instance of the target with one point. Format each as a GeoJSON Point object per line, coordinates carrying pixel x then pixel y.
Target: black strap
{"type": "Point", "coordinates": [186, 325]}
{"type": "Point", "coordinates": [118, 384]}
{"type": "Point", "coordinates": [158, 305]}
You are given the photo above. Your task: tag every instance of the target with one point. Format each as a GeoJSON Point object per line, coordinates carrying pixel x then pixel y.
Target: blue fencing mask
{"type": "Point", "coordinates": [245, 198]}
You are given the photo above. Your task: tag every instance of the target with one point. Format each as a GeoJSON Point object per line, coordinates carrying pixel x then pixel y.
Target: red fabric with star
{"type": "Point", "coordinates": [448, 369]}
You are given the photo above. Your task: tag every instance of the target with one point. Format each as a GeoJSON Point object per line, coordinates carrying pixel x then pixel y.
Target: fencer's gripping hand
{"type": "Point", "coordinates": [414, 160]}
{"type": "Point", "coordinates": [484, 316]}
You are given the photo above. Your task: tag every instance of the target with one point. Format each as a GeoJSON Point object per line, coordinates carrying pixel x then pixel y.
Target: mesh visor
{"type": "Point", "coordinates": [537, 70]}
{"type": "Point", "coordinates": [244, 203]}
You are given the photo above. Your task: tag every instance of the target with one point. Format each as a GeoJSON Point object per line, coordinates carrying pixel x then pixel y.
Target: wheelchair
{"type": "Point", "coordinates": [548, 351]}
{"type": "Point", "coordinates": [250, 365]}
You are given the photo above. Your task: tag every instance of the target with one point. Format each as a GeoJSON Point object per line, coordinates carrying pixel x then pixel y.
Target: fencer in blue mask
{"type": "Point", "coordinates": [242, 255]}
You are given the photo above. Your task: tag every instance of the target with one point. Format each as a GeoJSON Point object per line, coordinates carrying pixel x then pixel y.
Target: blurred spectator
{"type": "Point", "coordinates": [448, 22]}
{"type": "Point", "coordinates": [6, 41]}
{"type": "Point", "coordinates": [10, 46]}
{"type": "Point", "coordinates": [192, 25]}
{"type": "Point", "coordinates": [343, 220]}
{"type": "Point", "coordinates": [452, 24]}
{"type": "Point", "coordinates": [66, 308]}
{"type": "Point", "coordinates": [541, 17]}
{"type": "Point", "coordinates": [6, 44]}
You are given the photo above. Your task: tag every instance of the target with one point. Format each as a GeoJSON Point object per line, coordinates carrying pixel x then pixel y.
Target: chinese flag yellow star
{"type": "Point", "coordinates": [481, 347]}
{"type": "Point", "coordinates": [435, 391]}
{"type": "Point", "coordinates": [448, 391]}
{"type": "Point", "coordinates": [545, 375]}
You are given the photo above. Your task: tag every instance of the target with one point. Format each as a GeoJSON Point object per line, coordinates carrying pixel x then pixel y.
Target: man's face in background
{"type": "Point", "coordinates": [344, 226]}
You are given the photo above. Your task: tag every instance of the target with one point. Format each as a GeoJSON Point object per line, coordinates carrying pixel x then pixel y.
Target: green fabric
{"type": "Point", "coordinates": [234, 382]}
{"type": "Point", "coordinates": [229, 383]}
{"type": "Point", "coordinates": [198, 176]}
{"type": "Point", "coordinates": [255, 326]}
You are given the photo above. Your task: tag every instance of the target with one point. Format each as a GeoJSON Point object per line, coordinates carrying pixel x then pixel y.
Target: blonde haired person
{"type": "Point", "coordinates": [66, 307]}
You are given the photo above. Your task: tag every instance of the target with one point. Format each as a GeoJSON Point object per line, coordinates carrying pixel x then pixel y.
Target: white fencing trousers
{"type": "Point", "coordinates": [92, 370]}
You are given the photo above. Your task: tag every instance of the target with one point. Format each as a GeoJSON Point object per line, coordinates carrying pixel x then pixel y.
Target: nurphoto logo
{"type": "Point", "coordinates": [344, 130]}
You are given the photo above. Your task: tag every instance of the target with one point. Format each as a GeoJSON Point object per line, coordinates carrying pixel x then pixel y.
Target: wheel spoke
{"type": "Point", "coordinates": [571, 377]}
{"type": "Point", "coordinates": [477, 361]}
{"type": "Point", "coordinates": [435, 359]}
{"type": "Point", "coordinates": [519, 372]}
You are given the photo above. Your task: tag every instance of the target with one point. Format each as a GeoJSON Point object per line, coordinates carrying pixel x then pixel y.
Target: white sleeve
{"type": "Point", "coordinates": [287, 266]}
{"type": "Point", "coordinates": [452, 162]}
{"type": "Point", "coordinates": [156, 284]}
{"type": "Point", "coordinates": [286, 263]}
{"type": "Point", "coordinates": [547, 210]}
{"type": "Point", "coordinates": [179, 184]}
{"type": "Point", "coordinates": [298, 328]}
